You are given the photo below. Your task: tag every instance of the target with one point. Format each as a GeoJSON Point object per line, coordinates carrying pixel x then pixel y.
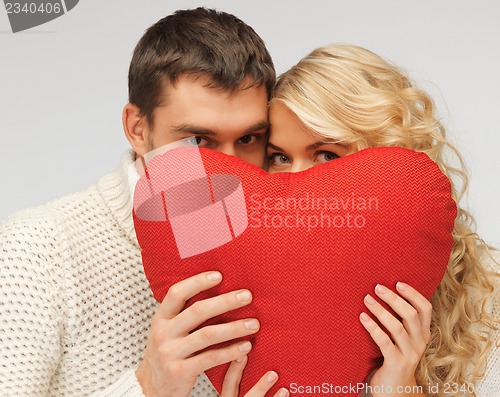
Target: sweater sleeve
{"type": "Point", "coordinates": [31, 305]}
{"type": "Point", "coordinates": [32, 309]}
{"type": "Point", "coordinates": [126, 386]}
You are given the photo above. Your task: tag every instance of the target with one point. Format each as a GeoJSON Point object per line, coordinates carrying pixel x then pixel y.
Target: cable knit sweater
{"type": "Point", "coordinates": [75, 305]}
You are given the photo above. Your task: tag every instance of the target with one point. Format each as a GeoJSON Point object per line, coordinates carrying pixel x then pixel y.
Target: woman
{"type": "Point", "coordinates": [340, 99]}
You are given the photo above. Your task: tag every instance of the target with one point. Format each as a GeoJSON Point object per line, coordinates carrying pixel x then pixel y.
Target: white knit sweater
{"type": "Point", "coordinates": [75, 305]}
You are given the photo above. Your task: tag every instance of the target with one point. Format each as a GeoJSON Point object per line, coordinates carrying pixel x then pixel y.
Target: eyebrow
{"type": "Point", "coordinates": [198, 130]}
{"type": "Point", "coordinates": [310, 147]}
{"type": "Point", "coordinates": [273, 146]}
{"type": "Point", "coordinates": [321, 143]}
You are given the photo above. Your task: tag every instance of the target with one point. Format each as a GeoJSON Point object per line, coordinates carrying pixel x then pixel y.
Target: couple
{"type": "Point", "coordinates": [79, 317]}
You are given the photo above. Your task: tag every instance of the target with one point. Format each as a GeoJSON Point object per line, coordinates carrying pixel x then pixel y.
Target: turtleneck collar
{"type": "Point", "coordinates": [117, 189]}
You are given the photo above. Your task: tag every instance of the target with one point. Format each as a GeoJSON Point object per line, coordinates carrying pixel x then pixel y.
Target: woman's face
{"type": "Point", "coordinates": [292, 147]}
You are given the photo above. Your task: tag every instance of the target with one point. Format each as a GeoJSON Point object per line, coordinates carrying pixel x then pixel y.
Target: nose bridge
{"type": "Point", "coordinates": [227, 148]}
{"type": "Point", "coordinates": [300, 165]}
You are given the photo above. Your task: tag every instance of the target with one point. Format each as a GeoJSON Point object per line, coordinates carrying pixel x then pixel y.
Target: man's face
{"type": "Point", "coordinates": [234, 123]}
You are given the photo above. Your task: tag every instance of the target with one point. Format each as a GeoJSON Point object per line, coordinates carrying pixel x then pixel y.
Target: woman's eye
{"type": "Point", "coordinates": [325, 157]}
{"type": "Point", "coordinates": [247, 139]}
{"type": "Point", "coordinates": [279, 159]}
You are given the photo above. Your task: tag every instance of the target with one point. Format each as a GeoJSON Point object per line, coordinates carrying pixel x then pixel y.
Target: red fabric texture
{"type": "Point", "coordinates": [391, 217]}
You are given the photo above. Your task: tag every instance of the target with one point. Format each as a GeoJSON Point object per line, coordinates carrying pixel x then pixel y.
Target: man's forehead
{"type": "Point", "coordinates": [212, 82]}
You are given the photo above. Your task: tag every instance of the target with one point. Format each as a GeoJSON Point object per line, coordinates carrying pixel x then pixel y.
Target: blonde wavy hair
{"type": "Point", "coordinates": [352, 95]}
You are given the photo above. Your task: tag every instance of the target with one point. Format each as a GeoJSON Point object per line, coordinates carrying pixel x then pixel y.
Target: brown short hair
{"type": "Point", "coordinates": [198, 41]}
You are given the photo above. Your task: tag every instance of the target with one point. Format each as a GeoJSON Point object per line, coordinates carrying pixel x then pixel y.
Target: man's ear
{"type": "Point", "coordinates": [136, 129]}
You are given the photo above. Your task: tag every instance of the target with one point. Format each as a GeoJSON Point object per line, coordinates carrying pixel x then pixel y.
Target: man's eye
{"type": "Point", "coordinates": [279, 159]}
{"type": "Point", "coordinates": [247, 139]}
{"type": "Point", "coordinates": [325, 157]}
{"type": "Point", "coordinates": [200, 141]}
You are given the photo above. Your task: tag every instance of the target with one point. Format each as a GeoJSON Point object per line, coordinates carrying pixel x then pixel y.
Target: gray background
{"type": "Point", "coordinates": [63, 84]}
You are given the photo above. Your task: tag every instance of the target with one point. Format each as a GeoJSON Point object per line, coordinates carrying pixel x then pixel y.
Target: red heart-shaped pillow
{"type": "Point", "coordinates": [309, 246]}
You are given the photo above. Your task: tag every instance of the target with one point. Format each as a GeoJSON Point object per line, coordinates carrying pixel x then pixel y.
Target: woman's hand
{"type": "Point", "coordinates": [231, 385]}
{"type": "Point", "coordinates": [407, 342]}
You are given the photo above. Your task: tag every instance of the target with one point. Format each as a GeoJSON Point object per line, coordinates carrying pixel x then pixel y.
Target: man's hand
{"type": "Point", "coordinates": [172, 360]}
{"type": "Point", "coordinates": [230, 387]}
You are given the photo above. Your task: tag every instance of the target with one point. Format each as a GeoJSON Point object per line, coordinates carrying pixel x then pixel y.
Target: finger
{"type": "Point", "coordinates": [264, 385]}
{"type": "Point", "coordinates": [180, 292]}
{"type": "Point", "coordinates": [392, 324]}
{"type": "Point", "coordinates": [213, 334]}
{"type": "Point", "coordinates": [385, 344]}
{"type": "Point", "coordinates": [203, 310]}
{"type": "Point", "coordinates": [406, 311]}
{"type": "Point", "coordinates": [231, 384]}
{"type": "Point", "coordinates": [212, 358]}
{"type": "Point", "coordinates": [421, 304]}
{"type": "Point", "coordinates": [282, 393]}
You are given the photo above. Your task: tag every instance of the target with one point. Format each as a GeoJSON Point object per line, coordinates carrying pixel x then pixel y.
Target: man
{"type": "Point", "coordinates": [77, 312]}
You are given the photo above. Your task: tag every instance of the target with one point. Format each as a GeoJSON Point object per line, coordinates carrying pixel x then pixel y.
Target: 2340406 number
{"type": "Point", "coordinates": [33, 8]}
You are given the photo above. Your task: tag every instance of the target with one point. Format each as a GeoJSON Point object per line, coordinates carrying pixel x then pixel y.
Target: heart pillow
{"type": "Point", "coordinates": [309, 245]}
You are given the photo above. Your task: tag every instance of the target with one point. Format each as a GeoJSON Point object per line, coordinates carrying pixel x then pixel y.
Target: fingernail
{"type": "Point", "coordinates": [364, 317]}
{"type": "Point", "coordinates": [380, 289]}
{"type": "Point", "coordinates": [401, 286]}
{"type": "Point", "coordinates": [252, 324]}
{"type": "Point", "coordinates": [244, 296]}
{"type": "Point", "coordinates": [271, 377]}
{"type": "Point", "coordinates": [283, 393]}
{"type": "Point", "coordinates": [214, 276]}
{"type": "Point", "coordinates": [245, 346]}
{"type": "Point", "coordinates": [369, 300]}
{"type": "Point", "coordinates": [239, 359]}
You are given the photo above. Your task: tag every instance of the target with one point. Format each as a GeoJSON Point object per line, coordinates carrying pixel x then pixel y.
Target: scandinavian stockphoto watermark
{"type": "Point", "coordinates": [206, 211]}
{"type": "Point", "coordinates": [310, 211]}
{"type": "Point", "coordinates": [25, 15]}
